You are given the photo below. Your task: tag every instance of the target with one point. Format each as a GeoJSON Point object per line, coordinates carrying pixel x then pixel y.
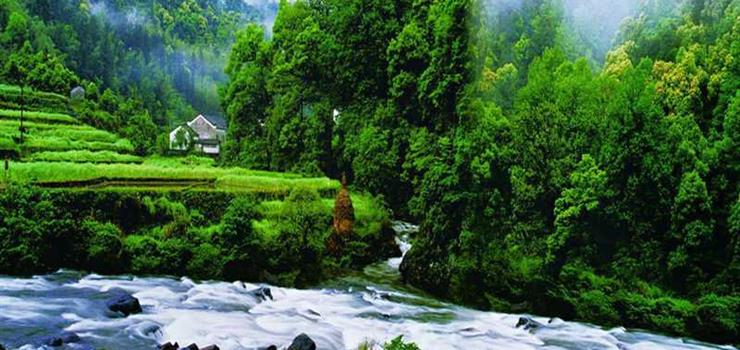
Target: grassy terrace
{"type": "Point", "coordinates": [162, 173]}
{"type": "Point", "coordinates": [54, 118]}
{"type": "Point", "coordinates": [96, 157]}
{"type": "Point", "coordinates": [10, 97]}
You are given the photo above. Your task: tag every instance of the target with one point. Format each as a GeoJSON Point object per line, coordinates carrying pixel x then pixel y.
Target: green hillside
{"type": "Point", "coordinates": [51, 134]}
{"type": "Point", "coordinates": [96, 188]}
{"type": "Point", "coordinates": [59, 151]}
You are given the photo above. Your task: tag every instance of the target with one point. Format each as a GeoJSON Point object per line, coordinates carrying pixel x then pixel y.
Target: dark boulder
{"type": "Point", "coordinates": [262, 293]}
{"type": "Point", "coordinates": [124, 303]}
{"type": "Point", "coordinates": [62, 338]}
{"type": "Point", "coordinates": [302, 342]}
{"type": "Point", "coordinates": [169, 346]}
{"type": "Point", "coordinates": [211, 347]}
{"type": "Point", "coordinates": [271, 347]}
{"type": "Point", "coordinates": [528, 324]}
{"type": "Point", "coordinates": [2, 347]}
{"type": "Point", "coordinates": [190, 347]}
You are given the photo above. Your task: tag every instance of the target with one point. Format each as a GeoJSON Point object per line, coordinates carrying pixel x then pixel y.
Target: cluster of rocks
{"type": "Point", "coordinates": [301, 342]}
{"type": "Point", "coordinates": [175, 346]}
{"type": "Point", "coordinates": [124, 304]}
{"type": "Point", "coordinates": [527, 323]}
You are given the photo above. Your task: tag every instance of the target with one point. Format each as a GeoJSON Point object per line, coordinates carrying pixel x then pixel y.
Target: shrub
{"type": "Point", "coordinates": [35, 236]}
{"type": "Point", "coordinates": [399, 344]}
{"type": "Point", "coordinates": [206, 262]}
{"type": "Point", "coordinates": [304, 225]}
{"type": "Point", "coordinates": [104, 247]}
{"type": "Point", "coordinates": [596, 306]}
{"type": "Point", "coordinates": [717, 318]}
{"type": "Point", "coordinates": [143, 252]}
{"type": "Point", "coordinates": [241, 246]}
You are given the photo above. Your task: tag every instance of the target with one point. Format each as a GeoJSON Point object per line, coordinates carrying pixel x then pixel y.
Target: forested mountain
{"type": "Point", "coordinates": [579, 159]}
{"type": "Point", "coordinates": [147, 64]}
{"type": "Point", "coordinates": [602, 188]}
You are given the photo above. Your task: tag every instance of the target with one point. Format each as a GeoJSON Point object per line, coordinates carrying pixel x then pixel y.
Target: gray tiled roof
{"type": "Point", "coordinates": [218, 121]}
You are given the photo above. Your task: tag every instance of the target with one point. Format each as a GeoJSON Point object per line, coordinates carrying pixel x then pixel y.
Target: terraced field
{"type": "Point", "coordinates": [58, 151]}
{"type": "Point", "coordinates": [50, 133]}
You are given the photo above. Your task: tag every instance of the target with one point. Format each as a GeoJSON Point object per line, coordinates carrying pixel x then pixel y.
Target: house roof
{"type": "Point", "coordinates": [218, 121]}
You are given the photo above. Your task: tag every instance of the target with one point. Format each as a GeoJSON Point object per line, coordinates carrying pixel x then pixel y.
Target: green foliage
{"type": "Point", "coordinates": [240, 241]}
{"type": "Point", "coordinates": [398, 344]}
{"type": "Point", "coordinates": [206, 263]}
{"type": "Point", "coordinates": [304, 224]}
{"type": "Point", "coordinates": [84, 157]}
{"type": "Point", "coordinates": [38, 117]}
{"type": "Point", "coordinates": [558, 188]}
{"type": "Point", "coordinates": [716, 318]}
{"type": "Point", "coordinates": [104, 247]}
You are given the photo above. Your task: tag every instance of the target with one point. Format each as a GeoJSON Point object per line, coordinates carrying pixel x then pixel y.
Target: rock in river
{"type": "Point", "coordinates": [262, 293]}
{"type": "Point", "coordinates": [124, 303]}
{"type": "Point", "coordinates": [528, 324]}
{"type": "Point", "coordinates": [169, 346]}
{"type": "Point", "coordinates": [62, 338]}
{"type": "Point", "coordinates": [302, 342]}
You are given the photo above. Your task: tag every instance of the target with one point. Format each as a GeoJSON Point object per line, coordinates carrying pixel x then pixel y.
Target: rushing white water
{"type": "Point", "coordinates": [369, 306]}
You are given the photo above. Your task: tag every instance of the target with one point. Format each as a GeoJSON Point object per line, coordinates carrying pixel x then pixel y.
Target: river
{"type": "Point", "coordinates": [341, 314]}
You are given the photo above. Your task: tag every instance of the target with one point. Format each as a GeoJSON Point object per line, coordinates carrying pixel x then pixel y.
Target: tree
{"type": "Point", "coordinates": [581, 219]}
{"type": "Point", "coordinates": [142, 133]}
{"type": "Point", "coordinates": [244, 258]}
{"type": "Point", "coordinates": [692, 231]}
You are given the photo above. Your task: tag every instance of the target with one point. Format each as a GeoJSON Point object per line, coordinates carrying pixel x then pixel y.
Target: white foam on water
{"type": "Point", "coordinates": [226, 314]}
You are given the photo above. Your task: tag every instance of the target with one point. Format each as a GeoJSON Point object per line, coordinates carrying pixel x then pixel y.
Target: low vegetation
{"type": "Point", "coordinates": [46, 117]}
{"type": "Point", "coordinates": [96, 157]}
{"type": "Point", "coordinates": [10, 98]}
{"type": "Point", "coordinates": [181, 233]}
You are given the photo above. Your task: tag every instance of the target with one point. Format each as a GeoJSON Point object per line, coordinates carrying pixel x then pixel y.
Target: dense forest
{"type": "Point", "coordinates": [562, 157]}
{"type": "Point", "coordinates": [144, 65]}
{"type": "Point", "coordinates": [553, 169]}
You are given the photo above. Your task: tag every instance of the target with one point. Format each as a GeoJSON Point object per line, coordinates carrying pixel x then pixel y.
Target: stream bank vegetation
{"type": "Point", "coordinates": [204, 234]}
{"type": "Point", "coordinates": [553, 168]}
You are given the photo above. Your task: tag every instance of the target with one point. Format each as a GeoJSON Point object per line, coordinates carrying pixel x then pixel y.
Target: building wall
{"type": "Point", "coordinates": [205, 131]}
{"type": "Point", "coordinates": [211, 149]}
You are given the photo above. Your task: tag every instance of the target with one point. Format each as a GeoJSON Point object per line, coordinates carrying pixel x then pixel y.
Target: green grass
{"type": "Point", "coordinates": [14, 89]}
{"type": "Point", "coordinates": [83, 157]}
{"type": "Point", "coordinates": [31, 126]}
{"type": "Point", "coordinates": [369, 215]}
{"type": "Point", "coordinates": [7, 144]}
{"type": "Point", "coordinates": [62, 132]}
{"type": "Point", "coordinates": [93, 135]}
{"type": "Point", "coordinates": [58, 118]}
{"type": "Point", "coordinates": [262, 183]}
{"type": "Point", "coordinates": [10, 97]}
{"type": "Point", "coordinates": [228, 179]}
{"type": "Point", "coordinates": [40, 144]}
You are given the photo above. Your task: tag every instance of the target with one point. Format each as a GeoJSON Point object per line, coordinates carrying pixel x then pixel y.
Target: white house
{"type": "Point", "coordinates": [204, 134]}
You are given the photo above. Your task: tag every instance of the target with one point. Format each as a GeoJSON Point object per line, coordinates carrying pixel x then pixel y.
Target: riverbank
{"type": "Point", "coordinates": [342, 314]}
{"type": "Point", "coordinates": [276, 237]}
{"type": "Point", "coordinates": [577, 293]}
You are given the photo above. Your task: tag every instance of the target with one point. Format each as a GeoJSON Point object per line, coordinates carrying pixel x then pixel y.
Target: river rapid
{"type": "Point", "coordinates": [341, 314]}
